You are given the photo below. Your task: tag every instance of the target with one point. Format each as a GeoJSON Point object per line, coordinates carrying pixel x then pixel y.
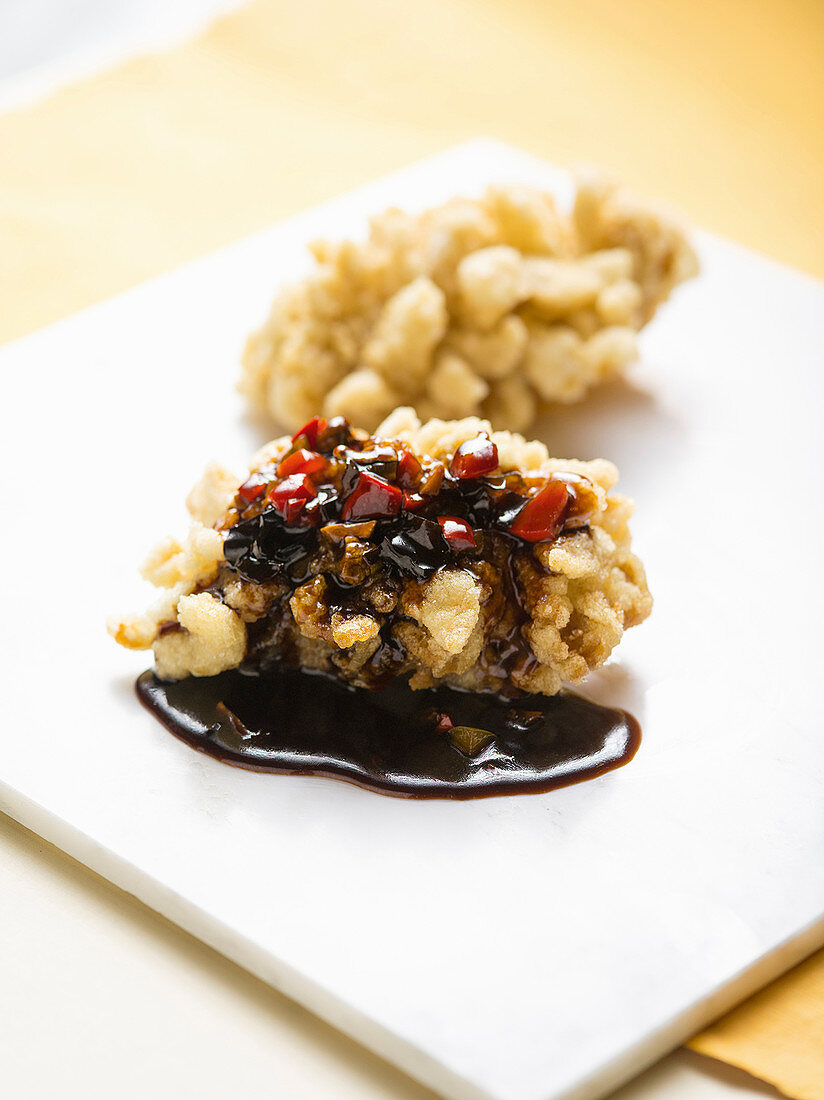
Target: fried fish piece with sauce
{"type": "Point", "coordinates": [443, 551]}
{"type": "Point", "coordinates": [490, 307]}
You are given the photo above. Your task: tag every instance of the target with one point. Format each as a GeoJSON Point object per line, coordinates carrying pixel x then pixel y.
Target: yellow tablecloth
{"type": "Point", "coordinates": [718, 108]}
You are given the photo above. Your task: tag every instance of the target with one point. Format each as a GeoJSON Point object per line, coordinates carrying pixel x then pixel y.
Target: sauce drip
{"type": "Point", "coordinates": [395, 741]}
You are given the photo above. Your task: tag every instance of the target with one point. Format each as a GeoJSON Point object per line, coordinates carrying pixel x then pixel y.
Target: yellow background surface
{"type": "Point", "coordinates": [716, 107]}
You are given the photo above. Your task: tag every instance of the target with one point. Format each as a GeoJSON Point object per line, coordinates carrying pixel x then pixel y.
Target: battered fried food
{"type": "Point", "coordinates": [487, 307]}
{"type": "Point", "coordinates": [445, 551]}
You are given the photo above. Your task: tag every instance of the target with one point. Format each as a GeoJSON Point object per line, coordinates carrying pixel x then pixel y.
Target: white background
{"type": "Point", "coordinates": [101, 996]}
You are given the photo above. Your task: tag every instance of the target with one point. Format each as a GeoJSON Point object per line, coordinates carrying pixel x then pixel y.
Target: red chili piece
{"type": "Point", "coordinates": [542, 517]}
{"type": "Point", "coordinates": [372, 498]}
{"type": "Point", "coordinates": [443, 723]}
{"type": "Point", "coordinates": [311, 430]}
{"type": "Point", "coordinates": [474, 458]}
{"type": "Point", "coordinates": [301, 462]}
{"type": "Point", "coordinates": [253, 487]}
{"type": "Point", "coordinates": [295, 513]}
{"type": "Point", "coordinates": [290, 495]}
{"type": "Point", "coordinates": [457, 533]}
{"type": "Point", "coordinates": [409, 470]}
{"type": "Point", "coordinates": [413, 501]}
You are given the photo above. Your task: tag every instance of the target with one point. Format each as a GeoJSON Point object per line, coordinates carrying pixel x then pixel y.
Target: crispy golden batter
{"type": "Point", "coordinates": [486, 307]}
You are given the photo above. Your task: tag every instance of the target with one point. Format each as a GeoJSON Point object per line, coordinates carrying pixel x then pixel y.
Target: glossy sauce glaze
{"type": "Point", "coordinates": [395, 741]}
{"type": "Point", "coordinates": [360, 512]}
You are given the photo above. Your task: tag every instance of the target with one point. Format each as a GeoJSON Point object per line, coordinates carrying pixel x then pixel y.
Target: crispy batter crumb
{"type": "Point", "coordinates": [213, 639]}
{"type": "Point", "coordinates": [212, 495]}
{"type": "Point", "coordinates": [449, 609]}
{"type": "Point", "coordinates": [171, 563]}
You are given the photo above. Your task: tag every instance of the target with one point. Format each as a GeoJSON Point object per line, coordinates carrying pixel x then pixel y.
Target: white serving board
{"type": "Point", "coordinates": [517, 948]}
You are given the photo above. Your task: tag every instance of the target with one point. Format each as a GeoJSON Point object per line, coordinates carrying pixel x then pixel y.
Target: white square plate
{"type": "Point", "coordinates": [520, 948]}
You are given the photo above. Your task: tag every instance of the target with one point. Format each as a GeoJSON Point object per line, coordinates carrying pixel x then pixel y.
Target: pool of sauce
{"type": "Point", "coordinates": [393, 741]}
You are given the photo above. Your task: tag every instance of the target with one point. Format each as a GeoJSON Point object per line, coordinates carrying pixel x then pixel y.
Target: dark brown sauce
{"type": "Point", "coordinates": [392, 741]}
